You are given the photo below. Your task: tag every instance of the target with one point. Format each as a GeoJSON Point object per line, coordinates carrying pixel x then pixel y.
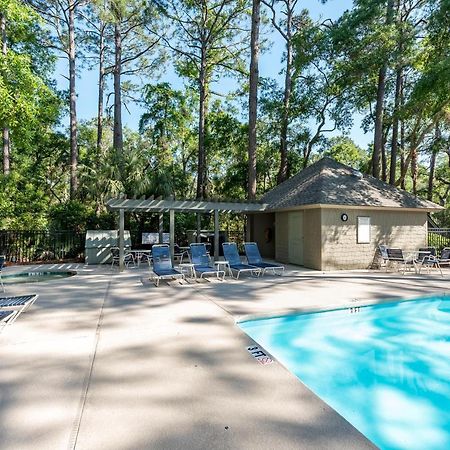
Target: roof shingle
{"type": "Point", "coordinates": [328, 182]}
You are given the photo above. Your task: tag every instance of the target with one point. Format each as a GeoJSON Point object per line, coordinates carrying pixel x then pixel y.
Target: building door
{"type": "Point", "coordinates": [296, 237]}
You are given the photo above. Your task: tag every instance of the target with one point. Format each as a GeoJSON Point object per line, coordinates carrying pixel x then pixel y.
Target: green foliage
{"type": "Point", "coordinates": [335, 73]}
{"type": "Point", "coordinates": [25, 96]}
{"type": "Point", "coordinates": [344, 150]}
{"type": "Point", "coordinates": [77, 216]}
{"type": "Point", "coordinates": [23, 205]}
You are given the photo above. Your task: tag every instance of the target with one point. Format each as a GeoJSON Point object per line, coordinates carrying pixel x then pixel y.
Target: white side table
{"type": "Point", "coordinates": [187, 268]}
{"type": "Point", "coordinates": [222, 266]}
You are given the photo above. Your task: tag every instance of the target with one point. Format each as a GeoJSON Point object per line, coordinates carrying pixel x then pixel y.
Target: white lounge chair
{"type": "Point", "coordinates": [18, 304]}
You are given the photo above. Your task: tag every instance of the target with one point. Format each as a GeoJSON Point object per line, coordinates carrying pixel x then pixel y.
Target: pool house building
{"type": "Point", "coordinates": [330, 216]}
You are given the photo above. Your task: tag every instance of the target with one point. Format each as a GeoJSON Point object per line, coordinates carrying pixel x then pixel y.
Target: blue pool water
{"type": "Point", "coordinates": [34, 277]}
{"type": "Point", "coordinates": [386, 368]}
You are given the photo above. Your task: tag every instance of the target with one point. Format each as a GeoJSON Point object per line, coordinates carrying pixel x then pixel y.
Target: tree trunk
{"type": "Point", "coordinates": [201, 162]}
{"type": "Point", "coordinates": [414, 169]}
{"type": "Point", "coordinates": [434, 151]}
{"type": "Point", "coordinates": [6, 138]}
{"type": "Point", "coordinates": [404, 162]}
{"type": "Point", "coordinates": [73, 104]}
{"type": "Point", "coordinates": [383, 157]}
{"type": "Point", "coordinates": [378, 136]}
{"type": "Point", "coordinates": [253, 100]}
{"type": "Point", "coordinates": [101, 86]}
{"type": "Point", "coordinates": [379, 110]}
{"type": "Point", "coordinates": [395, 124]}
{"type": "Point", "coordinates": [283, 171]}
{"type": "Point", "coordinates": [118, 132]}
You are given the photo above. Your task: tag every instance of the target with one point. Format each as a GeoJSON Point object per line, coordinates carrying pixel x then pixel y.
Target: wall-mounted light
{"type": "Point", "coordinates": [344, 217]}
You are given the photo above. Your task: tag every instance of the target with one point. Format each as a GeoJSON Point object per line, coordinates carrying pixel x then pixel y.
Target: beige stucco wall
{"type": "Point", "coordinates": [312, 256]}
{"type": "Point", "coordinates": [340, 250]}
{"type": "Point", "coordinates": [331, 244]}
{"type": "Point", "coordinates": [282, 237]}
{"type": "Point", "coordinates": [260, 224]}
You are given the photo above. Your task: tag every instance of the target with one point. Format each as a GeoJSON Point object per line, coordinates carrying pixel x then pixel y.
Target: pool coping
{"type": "Point", "coordinates": [328, 308]}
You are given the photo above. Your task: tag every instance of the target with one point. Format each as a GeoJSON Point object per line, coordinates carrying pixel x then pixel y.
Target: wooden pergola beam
{"type": "Point", "coordinates": [194, 206]}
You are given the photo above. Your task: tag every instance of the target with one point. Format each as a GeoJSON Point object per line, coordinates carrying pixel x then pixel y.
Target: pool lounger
{"type": "Point", "coordinates": [200, 261]}
{"type": "Point", "coordinates": [231, 254]}
{"type": "Point", "coordinates": [18, 304]}
{"type": "Point", "coordinates": [162, 264]}
{"type": "Point", "coordinates": [254, 259]}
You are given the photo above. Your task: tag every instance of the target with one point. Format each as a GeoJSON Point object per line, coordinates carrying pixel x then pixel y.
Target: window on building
{"type": "Point", "coordinates": [363, 231]}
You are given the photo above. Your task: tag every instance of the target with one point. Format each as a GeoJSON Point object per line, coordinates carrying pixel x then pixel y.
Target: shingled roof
{"type": "Point", "coordinates": [328, 182]}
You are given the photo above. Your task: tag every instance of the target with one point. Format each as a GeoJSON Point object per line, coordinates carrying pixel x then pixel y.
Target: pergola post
{"type": "Point", "coordinates": [172, 234]}
{"type": "Point", "coordinates": [216, 235]}
{"type": "Point", "coordinates": [121, 240]}
{"type": "Point", "coordinates": [198, 239]}
{"type": "Point", "coordinates": [161, 228]}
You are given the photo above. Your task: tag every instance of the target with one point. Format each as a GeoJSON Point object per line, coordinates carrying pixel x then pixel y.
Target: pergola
{"type": "Point", "coordinates": [159, 205]}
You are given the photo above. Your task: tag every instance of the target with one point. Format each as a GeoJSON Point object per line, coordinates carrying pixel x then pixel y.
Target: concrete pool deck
{"type": "Point", "coordinates": [108, 361]}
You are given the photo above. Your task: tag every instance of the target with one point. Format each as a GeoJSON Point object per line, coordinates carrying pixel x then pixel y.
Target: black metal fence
{"type": "Point", "coordinates": [33, 246]}
{"type": "Point", "coordinates": [439, 238]}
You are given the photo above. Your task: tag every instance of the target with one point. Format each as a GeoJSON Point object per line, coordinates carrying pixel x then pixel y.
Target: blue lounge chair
{"type": "Point", "coordinates": [200, 261]}
{"type": "Point", "coordinates": [18, 304]}
{"type": "Point", "coordinates": [231, 255]}
{"type": "Point", "coordinates": [162, 264]}
{"type": "Point", "coordinates": [254, 259]}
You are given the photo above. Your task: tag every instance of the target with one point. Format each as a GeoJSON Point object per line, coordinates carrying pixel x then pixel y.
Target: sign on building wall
{"type": "Point", "coordinates": [363, 231]}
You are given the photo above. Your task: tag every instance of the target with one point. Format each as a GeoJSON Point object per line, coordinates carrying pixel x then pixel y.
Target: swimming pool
{"type": "Point", "coordinates": [33, 277]}
{"type": "Point", "coordinates": [385, 368]}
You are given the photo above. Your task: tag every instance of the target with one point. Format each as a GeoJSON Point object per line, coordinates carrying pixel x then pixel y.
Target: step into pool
{"type": "Point", "coordinates": [384, 368]}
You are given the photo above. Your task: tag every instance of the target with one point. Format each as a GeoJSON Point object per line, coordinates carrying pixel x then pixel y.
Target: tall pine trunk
{"type": "Point", "coordinates": [283, 171]}
{"type": "Point", "coordinates": [101, 86]}
{"type": "Point", "coordinates": [73, 104]}
{"type": "Point", "coordinates": [404, 162]}
{"type": "Point", "coordinates": [378, 136]}
{"type": "Point", "coordinates": [379, 109]}
{"type": "Point", "coordinates": [383, 157]}
{"type": "Point", "coordinates": [5, 132]}
{"type": "Point", "coordinates": [118, 131]}
{"type": "Point", "coordinates": [201, 157]}
{"type": "Point", "coordinates": [434, 151]}
{"type": "Point", "coordinates": [414, 169]}
{"type": "Point", "coordinates": [395, 126]}
{"type": "Point", "coordinates": [253, 100]}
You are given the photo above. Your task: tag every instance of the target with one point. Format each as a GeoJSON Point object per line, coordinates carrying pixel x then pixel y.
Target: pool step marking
{"type": "Point", "coordinates": [260, 355]}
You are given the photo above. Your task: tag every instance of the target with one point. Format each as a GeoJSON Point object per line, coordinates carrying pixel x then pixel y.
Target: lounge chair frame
{"type": "Point", "coordinates": [18, 304]}
{"type": "Point", "coordinates": [161, 257]}
{"type": "Point", "coordinates": [395, 255]}
{"type": "Point", "coordinates": [231, 255]}
{"type": "Point", "coordinates": [202, 265]}
{"type": "Point", "coordinates": [256, 260]}
{"type": "Point", "coordinates": [444, 259]}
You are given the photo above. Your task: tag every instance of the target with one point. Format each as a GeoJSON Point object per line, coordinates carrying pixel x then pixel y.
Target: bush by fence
{"type": "Point", "coordinates": [32, 246]}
